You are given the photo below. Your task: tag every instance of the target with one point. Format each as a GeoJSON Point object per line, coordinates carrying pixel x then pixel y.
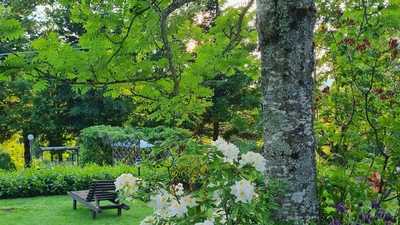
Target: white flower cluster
{"type": "Point", "coordinates": [254, 159]}
{"type": "Point", "coordinates": [229, 150]}
{"type": "Point", "coordinates": [231, 154]}
{"type": "Point", "coordinates": [127, 185]}
{"type": "Point", "coordinates": [168, 205]}
{"type": "Point", "coordinates": [243, 191]}
{"type": "Point", "coordinates": [174, 204]}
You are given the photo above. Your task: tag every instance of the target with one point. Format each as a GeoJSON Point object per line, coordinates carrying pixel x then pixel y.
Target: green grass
{"type": "Point", "coordinates": [57, 210]}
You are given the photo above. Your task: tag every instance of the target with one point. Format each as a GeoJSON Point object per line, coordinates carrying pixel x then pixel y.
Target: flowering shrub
{"type": "Point", "coordinates": [126, 185]}
{"type": "Point", "coordinates": [346, 200]}
{"type": "Point", "coordinates": [233, 191]}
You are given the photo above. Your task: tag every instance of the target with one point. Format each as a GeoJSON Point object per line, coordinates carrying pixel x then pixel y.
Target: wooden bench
{"type": "Point", "coordinates": [102, 190]}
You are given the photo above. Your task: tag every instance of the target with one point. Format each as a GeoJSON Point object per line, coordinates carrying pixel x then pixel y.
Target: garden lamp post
{"type": "Point", "coordinates": [30, 139]}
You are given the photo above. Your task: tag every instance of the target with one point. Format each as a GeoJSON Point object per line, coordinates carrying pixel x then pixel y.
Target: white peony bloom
{"type": "Point", "coordinates": [177, 209]}
{"type": "Point", "coordinates": [254, 159]}
{"type": "Point", "coordinates": [127, 184]}
{"type": "Point", "coordinates": [229, 150]}
{"type": "Point", "coordinates": [150, 220]}
{"type": "Point", "coordinates": [243, 190]}
{"type": "Point", "coordinates": [206, 222]}
{"type": "Point", "coordinates": [189, 201]}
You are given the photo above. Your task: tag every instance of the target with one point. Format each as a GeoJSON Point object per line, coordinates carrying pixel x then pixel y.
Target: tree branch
{"type": "Point", "coordinates": [235, 40]}
{"type": "Point", "coordinates": [176, 4]}
{"type": "Point", "coordinates": [48, 76]}
{"type": "Point", "coordinates": [121, 43]}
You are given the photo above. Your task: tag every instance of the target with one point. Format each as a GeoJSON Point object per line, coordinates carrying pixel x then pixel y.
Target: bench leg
{"type": "Point", "coordinates": [119, 211]}
{"type": "Point", "coordinates": [74, 204]}
{"type": "Point", "coordinates": [94, 214]}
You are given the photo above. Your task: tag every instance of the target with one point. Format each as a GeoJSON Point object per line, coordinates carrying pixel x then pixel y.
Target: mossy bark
{"type": "Point", "coordinates": [286, 42]}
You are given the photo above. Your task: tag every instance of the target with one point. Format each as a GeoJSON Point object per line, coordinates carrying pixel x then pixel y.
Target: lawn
{"type": "Point", "coordinates": [57, 210]}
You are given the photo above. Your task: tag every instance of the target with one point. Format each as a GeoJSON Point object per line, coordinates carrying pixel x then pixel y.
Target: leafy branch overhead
{"type": "Point", "coordinates": [140, 49]}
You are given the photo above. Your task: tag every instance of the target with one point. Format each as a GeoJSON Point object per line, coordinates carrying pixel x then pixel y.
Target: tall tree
{"type": "Point", "coordinates": [286, 41]}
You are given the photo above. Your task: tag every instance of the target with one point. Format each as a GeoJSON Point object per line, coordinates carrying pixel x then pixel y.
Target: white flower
{"type": "Point", "coordinates": [178, 189]}
{"type": "Point", "coordinates": [203, 18]}
{"type": "Point", "coordinates": [177, 209]}
{"type": "Point", "coordinates": [166, 205]}
{"type": "Point", "coordinates": [386, 3]}
{"type": "Point", "coordinates": [161, 203]}
{"type": "Point", "coordinates": [342, 6]}
{"type": "Point", "coordinates": [398, 169]}
{"type": "Point", "coordinates": [229, 150]}
{"type": "Point", "coordinates": [254, 159]}
{"type": "Point", "coordinates": [206, 222]}
{"type": "Point", "coordinates": [150, 220]}
{"type": "Point", "coordinates": [243, 190]}
{"type": "Point", "coordinates": [126, 184]}
{"type": "Point", "coordinates": [189, 201]}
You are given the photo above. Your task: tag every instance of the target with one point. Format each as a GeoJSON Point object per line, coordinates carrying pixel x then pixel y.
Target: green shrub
{"type": "Point", "coordinates": [96, 142]}
{"type": "Point", "coordinates": [6, 161]}
{"type": "Point", "coordinates": [56, 180]}
{"type": "Point", "coordinates": [189, 170]}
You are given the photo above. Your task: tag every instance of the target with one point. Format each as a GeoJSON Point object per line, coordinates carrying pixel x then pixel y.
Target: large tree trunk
{"type": "Point", "coordinates": [286, 40]}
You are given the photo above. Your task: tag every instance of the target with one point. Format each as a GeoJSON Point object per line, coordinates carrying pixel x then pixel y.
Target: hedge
{"type": "Point", "coordinates": [56, 180]}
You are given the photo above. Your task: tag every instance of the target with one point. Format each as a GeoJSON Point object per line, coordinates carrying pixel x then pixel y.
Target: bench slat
{"type": "Point", "coordinates": [98, 191]}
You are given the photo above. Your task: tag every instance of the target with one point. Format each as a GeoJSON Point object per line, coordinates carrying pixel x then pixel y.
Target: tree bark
{"type": "Point", "coordinates": [286, 41]}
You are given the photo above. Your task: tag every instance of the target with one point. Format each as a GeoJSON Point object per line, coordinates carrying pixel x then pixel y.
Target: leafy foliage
{"type": "Point", "coordinates": [10, 28]}
{"type": "Point", "coordinates": [115, 63]}
{"type": "Point", "coordinates": [5, 161]}
{"type": "Point", "coordinates": [358, 116]}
